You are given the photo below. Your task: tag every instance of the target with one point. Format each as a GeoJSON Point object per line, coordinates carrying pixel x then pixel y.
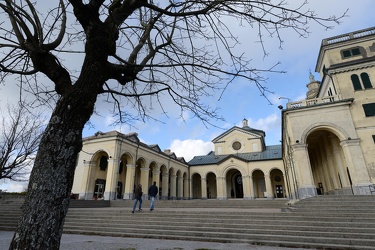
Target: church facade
{"type": "Point", "coordinates": [328, 144]}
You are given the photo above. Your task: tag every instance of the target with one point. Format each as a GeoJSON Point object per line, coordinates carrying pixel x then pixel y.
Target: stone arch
{"type": "Point", "coordinates": [259, 184]}
{"type": "Point", "coordinates": [196, 183]}
{"type": "Point", "coordinates": [140, 163]}
{"type": "Point", "coordinates": [164, 179]}
{"type": "Point", "coordinates": [124, 161]}
{"type": "Point", "coordinates": [153, 166]}
{"type": "Point", "coordinates": [211, 185]}
{"type": "Point", "coordinates": [278, 183]}
{"type": "Point", "coordinates": [332, 127]}
{"type": "Point", "coordinates": [233, 182]}
{"type": "Point", "coordinates": [327, 161]}
{"type": "Point", "coordinates": [98, 175]}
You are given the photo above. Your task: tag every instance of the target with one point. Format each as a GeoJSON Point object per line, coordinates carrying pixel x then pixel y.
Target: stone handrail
{"type": "Point", "coordinates": [312, 102]}
{"type": "Point", "coordinates": [348, 36]}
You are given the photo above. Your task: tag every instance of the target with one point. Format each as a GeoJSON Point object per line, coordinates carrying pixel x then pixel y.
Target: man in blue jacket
{"type": "Point", "coordinates": [152, 192]}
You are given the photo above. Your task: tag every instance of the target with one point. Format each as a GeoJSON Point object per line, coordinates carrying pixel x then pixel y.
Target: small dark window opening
{"type": "Point", "coordinates": [366, 81]}
{"type": "Point", "coordinates": [373, 138]}
{"type": "Point", "coordinates": [103, 163]}
{"type": "Point", "coordinates": [356, 52]}
{"type": "Point", "coordinates": [346, 53]}
{"type": "Point", "coordinates": [356, 82]}
{"type": "Point", "coordinates": [369, 109]}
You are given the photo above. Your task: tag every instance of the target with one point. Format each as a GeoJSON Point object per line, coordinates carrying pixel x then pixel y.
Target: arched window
{"type": "Point", "coordinates": [366, 81]}
{"type": "Point", "coordinates": [356, 82]}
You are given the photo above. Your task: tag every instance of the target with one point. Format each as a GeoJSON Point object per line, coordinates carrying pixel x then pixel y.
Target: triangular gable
{"type": "Point", "coordinates": [155, 147]}
{"type": "Point", "coordinates": [253, 132]}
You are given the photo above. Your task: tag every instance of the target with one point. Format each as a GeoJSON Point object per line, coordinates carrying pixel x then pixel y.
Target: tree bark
{"type": "Point", "coordinates": [47, 200]}
{"type": "Point", "coordinates": [48, 196]}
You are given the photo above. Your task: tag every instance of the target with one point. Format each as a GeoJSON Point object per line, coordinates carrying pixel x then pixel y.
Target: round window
{"type": "Point", "coordinates": [236, 145]}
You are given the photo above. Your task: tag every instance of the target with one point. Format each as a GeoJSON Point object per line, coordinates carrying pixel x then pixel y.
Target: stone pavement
{"type": "Point", "coordinates": [86, 242]}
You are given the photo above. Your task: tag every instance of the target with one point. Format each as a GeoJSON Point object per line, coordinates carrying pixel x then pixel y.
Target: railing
{"type": "Point", "coordinates": [348, 36]}
{"type": "Point", "coordinates": [312, 102]}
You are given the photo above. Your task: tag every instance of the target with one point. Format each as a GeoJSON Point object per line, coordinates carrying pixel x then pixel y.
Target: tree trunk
{"type": "Point", "coordinates": [51, 180]}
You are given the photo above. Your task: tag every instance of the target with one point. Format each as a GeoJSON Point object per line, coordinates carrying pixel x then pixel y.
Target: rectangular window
{"type": "Point", "coordinates": [355, 52]}
{"type": "Point", "coordinates": [351, 52]}
{"type": "Point", "coordinates": [373, 138]}
{"type": "Point", "coordinates": [369, 109]}
{"type": "Point", "coordinates": [346, 53]}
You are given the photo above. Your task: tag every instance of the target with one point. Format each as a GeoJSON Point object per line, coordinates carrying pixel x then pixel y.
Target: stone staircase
{"type": "Point", "coordinates": [324, 222]}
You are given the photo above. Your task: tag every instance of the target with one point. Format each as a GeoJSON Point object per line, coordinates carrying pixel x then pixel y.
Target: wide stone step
{"type": "Point", "coordinates": [308, 223]}
{"type": "Point", "coordinates": [359, 228]}
{"type": "Point", "coordinates": [279, 203]}
{"type": "Point", "coordinates": [237, 237]}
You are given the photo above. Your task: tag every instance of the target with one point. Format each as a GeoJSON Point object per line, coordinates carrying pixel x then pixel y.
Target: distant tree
{"type": "Point", "coordinates": [126, 50]}
{"type": "Point", "coordinates": [19, 140]}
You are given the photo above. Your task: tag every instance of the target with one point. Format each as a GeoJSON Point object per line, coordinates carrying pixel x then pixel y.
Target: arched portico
{"type": "Point", "coordinates": [95, 176]}
{"type": "Point", "coordinates": [278, 183]}
{"type": "Point", "coordinates": [328, 163]}
{"type": "Point", "coordinates": [259, 184]}
{"type": "Point", "coordinates": [328, 160]}
{"type": "Point", "coordinates": [211, 186]}
{"type": "Point", "coordinates": [196, 186]}
{"type": "Point", "coordinates": [234, 184]}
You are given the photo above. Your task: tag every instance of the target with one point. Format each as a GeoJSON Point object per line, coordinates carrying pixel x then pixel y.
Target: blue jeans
{"type": "Point", "coordinates": [135, 204]}
{"type": "Point", "coordinates": [152, 198]}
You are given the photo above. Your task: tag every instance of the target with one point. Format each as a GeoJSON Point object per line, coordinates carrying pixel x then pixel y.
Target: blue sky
{"type": "Point", "coordinates": [242, 100]}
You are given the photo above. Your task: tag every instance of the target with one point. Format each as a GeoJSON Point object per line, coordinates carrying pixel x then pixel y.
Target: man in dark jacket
{"type": "Point", "coordinates": [152, 192]}
{"type": "Point", "coordinates": [138, 197]}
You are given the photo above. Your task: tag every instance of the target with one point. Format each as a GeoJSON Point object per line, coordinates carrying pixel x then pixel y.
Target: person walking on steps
{"type": "Point", "coordinates": [138, 197]}
{"type": "Point", "coordinates": [152, 192]}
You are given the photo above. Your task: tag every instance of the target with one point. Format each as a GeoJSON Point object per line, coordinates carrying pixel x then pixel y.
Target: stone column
{"type": "Point", "coordinates": [285, 190]}
{"type": "Point", "coordinates": [180, 188]}
{"type": "Point", "coordinates": [186, 189]}
{"type": "Point", "coordinates": [164, 188]}
{"type": "Point", "coordinates": [269, 189]}
{"type": "Point", "coordinates": [111, 180]}
{"type": "Point", "coordinates": [356, 166]}
{"type": "Point", "coordinates": [173, 187]}
{"type": "Point", "coordinates": [306, 187]}
{"type": "Point", "coordinates": [144, 181]}
{"type": "Point", "coordinates": [246, 187]}
{"type": "Point", "coordinates": [129, 183]}
{"type": "Point", "coordinates": [220, 187]}
{"type": "Point", "coordinates": [156, 178]}
{"type": "Point", "coordinates": [251, 186]}
{"type": "Point", "coordinates": [204, 188]}
{"type": "Point", "coordinates": [87, 186]}
{"type": "Point", "coordinates": [341, 168]}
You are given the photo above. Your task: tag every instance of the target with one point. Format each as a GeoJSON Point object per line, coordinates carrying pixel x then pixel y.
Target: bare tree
{"type": "Point", "coordinates": [19, 140]}
{"type": "Point", "coordinates": [180, 51]}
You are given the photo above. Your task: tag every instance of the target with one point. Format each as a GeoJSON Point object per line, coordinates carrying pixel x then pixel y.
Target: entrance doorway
{"type": "Point", "coordinates": [234, 184]}
{"type": "Point", "coordinates": [99, 188]}
{"type": "Point", "coordinates": [279, 191]}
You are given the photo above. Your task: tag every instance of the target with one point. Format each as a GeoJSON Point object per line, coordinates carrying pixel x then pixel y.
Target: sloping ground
{"type": "Point", "coordinates": [326, 222]}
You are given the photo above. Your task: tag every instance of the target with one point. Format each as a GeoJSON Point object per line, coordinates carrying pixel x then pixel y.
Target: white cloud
{"type": "Point", "coordinates": [270, 122]}
{"type": "Point", "coordinates": [13, 186]}
{"type": "Point", "coordinates": [190, 148]}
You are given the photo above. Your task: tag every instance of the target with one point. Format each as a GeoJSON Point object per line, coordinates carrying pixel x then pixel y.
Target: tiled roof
{"type": "Point", "coordinates": [271, 153]}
